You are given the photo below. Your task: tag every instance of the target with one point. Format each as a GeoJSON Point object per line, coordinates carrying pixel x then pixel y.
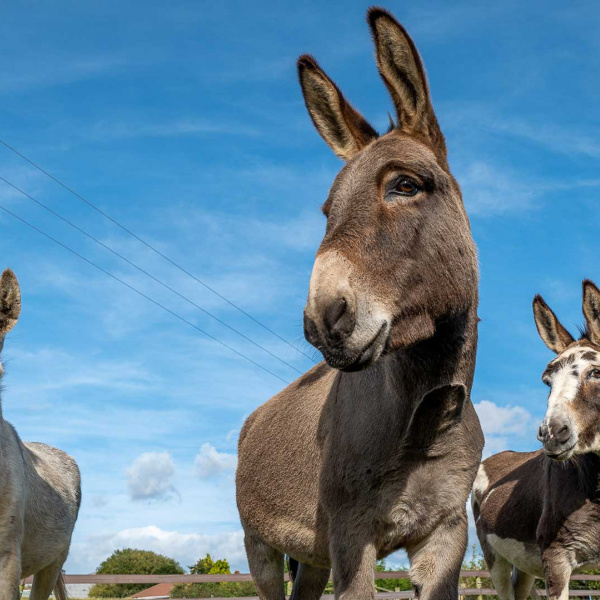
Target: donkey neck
{"type": "Point", "coordinates": [582, 471]}
{"type": "Point", "coordinates": [404, 376]}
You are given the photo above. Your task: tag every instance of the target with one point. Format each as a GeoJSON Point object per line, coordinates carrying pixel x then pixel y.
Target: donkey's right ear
{"type": "Point", "coordinates": [340, 125]}
{"type": "Point", "coordinates": [553, 334]}
{"type": "Point", "coordinates": [10, 302]}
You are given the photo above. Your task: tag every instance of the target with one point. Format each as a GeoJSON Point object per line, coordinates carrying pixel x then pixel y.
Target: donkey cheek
{"type": "Point", "coordinates": [410, 330]}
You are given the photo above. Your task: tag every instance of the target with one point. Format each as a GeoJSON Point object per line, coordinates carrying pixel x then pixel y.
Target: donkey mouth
{"type": "Point", "coordinates": [357, 361]}
{"type": "Point", "coordinates": [562, 455]}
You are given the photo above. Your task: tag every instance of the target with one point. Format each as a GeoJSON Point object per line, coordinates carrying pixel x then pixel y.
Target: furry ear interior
{"type": "Point", "coordinates": [591, 310]}
{"type": "Point", "coordinates": [553, 334]}
{"type": "Point", "coordinates": [403, 73]}
{"type": "Point", "coordinates": [10, 302]}
{"type": "Point", "coordinates": [340, 125]}
{"type": "Point", "coordinates": [438, 411]}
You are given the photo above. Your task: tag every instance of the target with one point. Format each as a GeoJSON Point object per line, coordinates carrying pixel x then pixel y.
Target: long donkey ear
{"type": "Point", "coordinates": [10, 303]}
{"type": "Point", "coordinates": [340, 125]}
{"type": "Point", "coordinates": [591, 310]}
{"type": "Point", "coordinates": [403, 73]}
{"type": "Point", "coordinates": [553, 334]}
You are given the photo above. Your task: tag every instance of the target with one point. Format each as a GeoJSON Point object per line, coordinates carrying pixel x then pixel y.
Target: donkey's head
{"type": "Point", "coordinates": [397, 257]}
{"type": "Point", "coordinates": [10, 304]}
{"type": "Point", "coordinates": [572, 422]}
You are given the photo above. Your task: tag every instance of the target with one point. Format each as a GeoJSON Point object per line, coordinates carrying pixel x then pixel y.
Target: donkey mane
{"type": "Point", "coordinates": [585, 333]}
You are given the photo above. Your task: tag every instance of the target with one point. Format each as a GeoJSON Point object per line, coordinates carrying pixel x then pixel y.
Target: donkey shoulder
{"type": "Point", "coordinates": [52, 467]}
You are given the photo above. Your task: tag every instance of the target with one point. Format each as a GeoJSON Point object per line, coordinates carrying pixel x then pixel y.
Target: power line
{"type": "Point", "coordinates": [141, 270]}
{"type": "Point", "coordinates": [142, 294]}
{"type": "Point", "coordinates": [155, 250]}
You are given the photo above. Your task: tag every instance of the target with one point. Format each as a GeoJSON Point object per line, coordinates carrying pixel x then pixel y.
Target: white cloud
{"type": "Point", "coordinates": [186, 548]}
{"type": "Point", "coordinates": [503, 420]}
{"type": "Point", "coordinates": [503, 424]}
{"type": "Point", "coordinates": [209, 461]}
{"type": "Point", "coordinates": [150, 476]}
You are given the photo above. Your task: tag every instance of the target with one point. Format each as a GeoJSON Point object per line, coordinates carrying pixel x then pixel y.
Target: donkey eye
{"type": "Point", "coordinates": [594, 374]}
{"type": "Point", "coordinates": [405, 186]}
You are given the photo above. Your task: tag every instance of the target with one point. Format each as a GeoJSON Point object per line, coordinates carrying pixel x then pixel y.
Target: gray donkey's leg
{"type": "Point", "coordinates": [266, 567]}
{"type": "Point", "coordinates": [10, 571]}
{"type": "Point", "coordinates": [353, 557]}
{"type": "Point", "coordinates": [309, 583]}
{"type": "Point", "coordinates": [435, 562]}
{"type": "Point", "coordinates": [45, 581]}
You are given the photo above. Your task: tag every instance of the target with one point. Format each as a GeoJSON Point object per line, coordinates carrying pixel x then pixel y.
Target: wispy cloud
{"type": "Point", "coordinates": [490, 191]}
{"type": "Point", "coordinates": [210, 462]}
{"type": "Point", "coordinates": [51, 70]}
{"type": "Point", "coordinates": [150, 477]}
{"type": "Point", "coordinates": [111, 130]}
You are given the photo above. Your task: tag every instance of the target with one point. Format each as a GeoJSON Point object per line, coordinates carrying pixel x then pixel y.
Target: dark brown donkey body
{"type": "Point", "coordinates": [540, 511]}
{"type": "Point", "coordinates": [377, 449]}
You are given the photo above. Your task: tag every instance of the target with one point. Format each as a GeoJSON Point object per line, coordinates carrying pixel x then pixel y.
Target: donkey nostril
{"type": "Point", "coordinates": [334, 312]}
{"type": "Point", "coordinates": [541, 433]}
{"type": "Point", "coordinates": [563, 434]}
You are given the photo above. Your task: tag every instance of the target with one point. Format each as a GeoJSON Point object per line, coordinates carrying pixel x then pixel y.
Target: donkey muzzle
{"type": "Point", "coordinates": [558, 437]}
{"type": "Point", "coordinates": [341, 318]}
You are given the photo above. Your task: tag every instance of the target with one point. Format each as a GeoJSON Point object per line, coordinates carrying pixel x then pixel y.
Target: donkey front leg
{"type": "Point", "coordinates": [11, 537]}
{"type": "Point", "coordinates": [353, 559]}
{"type": "Point", "coordinates": [557, 571]}
{"type": "Point", "coordinates": [10, 572]}
{"type": "Point", "coordinates": [435, 561]}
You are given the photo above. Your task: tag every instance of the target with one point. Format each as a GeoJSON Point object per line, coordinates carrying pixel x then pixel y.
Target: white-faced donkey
{"type": "Point", "coordinates": [539, 512]}
{"type": "Point", "coordinates": [40, 494]}
{"type": "Point", "coordinates": [377, 448]}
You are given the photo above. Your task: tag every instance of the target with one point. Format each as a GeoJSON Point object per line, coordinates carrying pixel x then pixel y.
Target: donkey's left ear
{"type": "Point", "coordinates": [591, 310]}
{"type": "Point", "coordinates": [403, 73]}
{"type": "Point", "coordinates": [10, 302]}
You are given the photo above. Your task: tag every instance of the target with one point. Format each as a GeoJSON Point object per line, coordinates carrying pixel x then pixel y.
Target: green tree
{"type": "Point", "coordinates": [208, 566]}
{"type": "Point", "coordinates": [225, 589]}
{"type": "Point", "coordinates": [130, 562]}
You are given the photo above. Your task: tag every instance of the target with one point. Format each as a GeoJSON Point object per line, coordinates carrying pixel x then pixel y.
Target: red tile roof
{"type": "Point", "coordinates": [161, 589]}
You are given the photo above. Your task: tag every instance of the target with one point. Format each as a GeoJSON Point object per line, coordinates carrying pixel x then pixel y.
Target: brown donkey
{"type": "Point", "coordinates": [539, 512]}
{"type": "Point", "coordinates": [377, 449]}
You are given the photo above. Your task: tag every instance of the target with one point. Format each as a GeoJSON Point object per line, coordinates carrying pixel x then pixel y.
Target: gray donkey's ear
{"type": "Point", "coordinates": [438, 411]}
{"type": "Point", "coordinates": [10, 302]}
{"type": "Point", "coordinates": [402, 71]}
{"type": "Point", "coordinates": [343, 128]}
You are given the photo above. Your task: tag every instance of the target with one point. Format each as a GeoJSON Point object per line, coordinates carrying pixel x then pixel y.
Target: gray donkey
{"type": "Point", "coordinates": [377, 448]}
{"type": "Point", "coordinates": [40, 494]}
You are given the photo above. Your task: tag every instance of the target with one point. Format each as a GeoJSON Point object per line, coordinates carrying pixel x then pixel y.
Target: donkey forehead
{"type": "Point", "coordinates": [574, 359]}
{"type": "Point", "coordinates": [395, 151]}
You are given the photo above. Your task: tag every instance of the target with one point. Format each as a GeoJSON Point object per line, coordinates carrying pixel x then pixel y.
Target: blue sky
{"type": "Point", "coordinates": [185, 122]}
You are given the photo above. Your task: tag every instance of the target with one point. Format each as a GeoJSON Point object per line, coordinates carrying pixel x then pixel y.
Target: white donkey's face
{"type": "Point", "coordinates": [572, 422]}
